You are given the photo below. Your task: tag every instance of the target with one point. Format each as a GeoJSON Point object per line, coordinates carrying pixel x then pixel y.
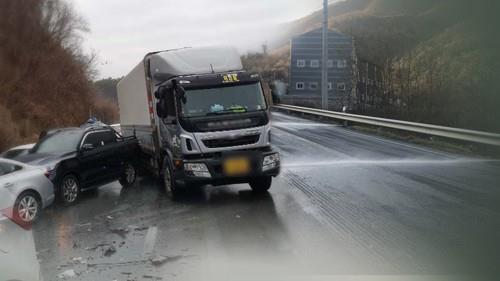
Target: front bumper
{"type": "Point", "coordinates": [214, 163]}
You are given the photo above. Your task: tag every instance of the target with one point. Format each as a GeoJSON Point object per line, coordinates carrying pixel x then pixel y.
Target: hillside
{"type": "Point", "coordinates": [44, 76]}
{"type": "Point", "coordinates": [404, 23]}
{"type": "Point", "coordinates": [448, 49]}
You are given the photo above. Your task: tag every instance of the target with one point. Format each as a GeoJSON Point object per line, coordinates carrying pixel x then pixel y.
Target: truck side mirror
{"type": "Point", "coordinates": [161, 92]}
{"type": "Point", "coordinates": [166, 104]}
{"type": "Point", "coordinates": [161, 109]}
{"type": "Point", "coordinates": [181, 93]}
{"type": "Point", "coordinates": [157, 94]}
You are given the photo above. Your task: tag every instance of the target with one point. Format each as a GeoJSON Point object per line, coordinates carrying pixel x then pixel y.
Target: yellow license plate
{"type": "Point", "coordinates": [236, 166]}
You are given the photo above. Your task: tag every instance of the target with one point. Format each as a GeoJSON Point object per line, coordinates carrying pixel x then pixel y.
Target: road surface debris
{"type": "Point", "coordinates": [70, 273]}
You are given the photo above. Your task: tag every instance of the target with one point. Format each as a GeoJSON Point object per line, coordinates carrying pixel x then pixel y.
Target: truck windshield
{"type": "Point", "coordinates": [61, 142]}
{"type": "Point", "coordinates": [224, 100]}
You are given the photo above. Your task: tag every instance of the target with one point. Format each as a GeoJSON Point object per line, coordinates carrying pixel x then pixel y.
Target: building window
{"type": "Point", "coordinates": [341, 63]}
{"type": "Point", "coordinates": [341, 86]}
{"type": "Point", "coordinates": [314, 63]}
{"type": "Point", "coordinates": [313, 85]}
{"type": "Point", "coordinates": [301, 63]}
{"type": "Point", "coordinates": [299, 86]}
{"type": "Point", "coordinates": [330, 64]}
{"type": "Point", "coordinates": [330, 86]}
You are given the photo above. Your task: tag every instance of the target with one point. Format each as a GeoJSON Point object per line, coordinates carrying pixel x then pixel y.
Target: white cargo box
{"type": "Point", "coordinates": [133, 98]}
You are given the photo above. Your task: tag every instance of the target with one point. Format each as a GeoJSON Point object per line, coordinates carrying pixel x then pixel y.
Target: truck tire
{"type": "Point", "coordinates": [168, 181]}
{"type": "Point", "coordinates": [261, 185]}
{"type": "Point", "coordinates": [129, 175]}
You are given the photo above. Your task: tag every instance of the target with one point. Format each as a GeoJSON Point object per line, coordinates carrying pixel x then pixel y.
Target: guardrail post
{"type": "Point", "coordinates": [344, 109]}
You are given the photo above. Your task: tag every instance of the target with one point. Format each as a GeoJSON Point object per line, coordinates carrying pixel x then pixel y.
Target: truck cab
{"type": "Point", "coordinates": [210, 122]}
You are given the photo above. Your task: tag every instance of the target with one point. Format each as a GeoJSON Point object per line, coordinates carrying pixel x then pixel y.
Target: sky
{"type": "Point", "coordinates": [123, 31]}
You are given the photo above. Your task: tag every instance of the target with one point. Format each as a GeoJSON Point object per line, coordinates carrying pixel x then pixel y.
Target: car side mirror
{"type": "Point", "coordinates": [87, 147]}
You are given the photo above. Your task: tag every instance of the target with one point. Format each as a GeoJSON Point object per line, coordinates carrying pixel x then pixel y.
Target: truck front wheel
{"type": "Point", "coordinates": [168, 180]}
{"type": "Point", "coordinates": [262, 184]}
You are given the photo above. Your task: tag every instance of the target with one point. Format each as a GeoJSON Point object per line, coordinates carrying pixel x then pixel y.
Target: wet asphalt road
{"type": "Point", "coordinates": [346, 203]}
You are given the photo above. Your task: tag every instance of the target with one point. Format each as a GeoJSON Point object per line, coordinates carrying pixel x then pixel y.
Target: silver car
{"type": "Point", "coordinates": [24, 191]}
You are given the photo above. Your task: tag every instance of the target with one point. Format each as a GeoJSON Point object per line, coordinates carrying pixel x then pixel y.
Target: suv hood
{"type": "Point", "coordinates": [41, 159]}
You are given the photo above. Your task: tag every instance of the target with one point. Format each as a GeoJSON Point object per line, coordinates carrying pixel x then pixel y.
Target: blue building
{"type": "Point", "coordinates": [306, 64]}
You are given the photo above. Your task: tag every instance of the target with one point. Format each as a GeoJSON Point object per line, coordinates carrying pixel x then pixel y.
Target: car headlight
{"type": "Point", "coordinates": [50, 171]}
{"type": "Point", "coordinates": [197, 169]}
{"type": "Point", "coordinates": [270, 161]}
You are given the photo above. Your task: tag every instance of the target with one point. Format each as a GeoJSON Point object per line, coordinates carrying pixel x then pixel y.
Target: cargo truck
{"type": "Point", "coordinates": [199, 118]}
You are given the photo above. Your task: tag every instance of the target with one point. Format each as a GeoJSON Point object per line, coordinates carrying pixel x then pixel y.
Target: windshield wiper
{"type": "Point", "coordinates": [228, 111]}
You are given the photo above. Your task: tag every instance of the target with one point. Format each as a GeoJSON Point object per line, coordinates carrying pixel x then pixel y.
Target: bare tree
{"type": "Point", "coordinates": [45, 77]}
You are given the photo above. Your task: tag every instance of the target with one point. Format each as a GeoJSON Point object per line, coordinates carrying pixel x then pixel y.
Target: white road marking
{"type": "Point", "coordinates": [150, 241]}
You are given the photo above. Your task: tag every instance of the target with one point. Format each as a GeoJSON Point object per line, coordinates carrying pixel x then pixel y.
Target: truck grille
{"type": "Point", "coordinates": [231, 124]}
{"type": "Point", "coordinates": [227, 142]}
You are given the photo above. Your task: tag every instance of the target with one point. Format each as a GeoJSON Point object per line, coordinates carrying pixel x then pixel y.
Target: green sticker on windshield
{"type": "Point", "coordinates": [238, 109]}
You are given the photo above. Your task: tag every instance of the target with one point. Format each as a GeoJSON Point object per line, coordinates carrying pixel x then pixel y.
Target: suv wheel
{"type": "Point", "coordinates": [27, 207]}
{"type": "Point", "coordinates": [262, 184]}
{"type": "Point", "coordinates": [129, 175]}
{"type": "Point", "coordinates": [69, 190]}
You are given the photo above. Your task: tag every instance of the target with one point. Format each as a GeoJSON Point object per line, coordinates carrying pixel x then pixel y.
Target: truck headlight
{"type": "Point", "coordinates": [270, 162]}
{"type": "Point", "coordinates": [197, 169]}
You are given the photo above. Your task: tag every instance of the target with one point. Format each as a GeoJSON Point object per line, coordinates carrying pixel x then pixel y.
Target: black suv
{"type": "Point", "coordinates": [79, 159]}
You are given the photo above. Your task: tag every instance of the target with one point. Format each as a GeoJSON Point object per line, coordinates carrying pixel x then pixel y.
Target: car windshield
{"type": "Point", "coordinates": [224, 100]}
{"type": "Point", "coordinates": [13, 153]}
{"type": "Point", "coordinates": [60, 142]}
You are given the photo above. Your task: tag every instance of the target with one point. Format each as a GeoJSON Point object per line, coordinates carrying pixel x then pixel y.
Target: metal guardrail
{"type": "Point", "coordinates": [447, 132]}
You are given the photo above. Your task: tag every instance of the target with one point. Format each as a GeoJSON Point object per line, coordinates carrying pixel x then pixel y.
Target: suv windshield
{"type": "Point", "coordinates": [224, 100]}
{"type": "Point", "coordinates": [60, 142]}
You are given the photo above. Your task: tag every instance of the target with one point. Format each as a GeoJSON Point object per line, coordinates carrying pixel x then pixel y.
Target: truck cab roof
{"type": "Point", "coordinates": [166, 65]}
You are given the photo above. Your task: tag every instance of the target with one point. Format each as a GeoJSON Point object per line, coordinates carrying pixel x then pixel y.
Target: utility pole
{"type": "Point", "coordinates": [324, 68]}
